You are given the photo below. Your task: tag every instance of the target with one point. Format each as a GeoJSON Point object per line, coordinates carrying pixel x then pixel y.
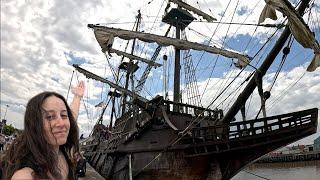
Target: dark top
{"type": "Point", "coordinates": [80, 164]}
{"type": "Point", "coordinates": [28, 162]}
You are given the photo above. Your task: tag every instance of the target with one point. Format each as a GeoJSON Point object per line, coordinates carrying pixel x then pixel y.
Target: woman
{"type": "Point", "coordinates": [50, 138]}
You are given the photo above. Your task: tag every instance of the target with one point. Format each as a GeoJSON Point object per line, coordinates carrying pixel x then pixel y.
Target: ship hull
{"type": "Point", "coordinates": [170, 165]}
{"type": "Point", "coordinates": [203, 154]}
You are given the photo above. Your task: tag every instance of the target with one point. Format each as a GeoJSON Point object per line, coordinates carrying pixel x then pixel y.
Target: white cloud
{"type": "Point", "coordinates": [36, 35]}
{"type": "Point", "coordinates": [295, 90]}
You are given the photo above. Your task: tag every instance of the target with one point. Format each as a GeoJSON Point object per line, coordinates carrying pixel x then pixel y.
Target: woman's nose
{"type": "Point", "coordinates": [59, 121]}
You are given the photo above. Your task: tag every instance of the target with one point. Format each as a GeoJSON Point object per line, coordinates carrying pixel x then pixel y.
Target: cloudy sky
{"type": "Point", "coordinates": [40, 39]}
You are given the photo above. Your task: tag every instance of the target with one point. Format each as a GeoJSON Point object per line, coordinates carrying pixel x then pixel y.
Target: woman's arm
{"type": "Point", "coordinates": [78, 92]}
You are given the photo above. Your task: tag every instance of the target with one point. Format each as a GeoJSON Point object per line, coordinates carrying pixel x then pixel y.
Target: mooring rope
{"type": "Point", "coordinates": [255, 175]}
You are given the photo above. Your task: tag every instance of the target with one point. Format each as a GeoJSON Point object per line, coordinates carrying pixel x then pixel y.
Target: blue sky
{"type": "Point", "coordinates": [40, 39]}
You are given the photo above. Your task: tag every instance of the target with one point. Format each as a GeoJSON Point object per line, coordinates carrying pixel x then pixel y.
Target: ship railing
{"type": "Point", "coordinates": [121, 122]}
{"type": "Point", "coordinates": [256, 127]}
{"type": "Point", "coordinates": [127, 126]}
{"type": "Point", "coordinates": [192, 110]}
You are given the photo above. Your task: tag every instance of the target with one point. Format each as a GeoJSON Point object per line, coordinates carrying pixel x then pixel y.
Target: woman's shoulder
{"type": "Point", "coordinates": [24, 173]}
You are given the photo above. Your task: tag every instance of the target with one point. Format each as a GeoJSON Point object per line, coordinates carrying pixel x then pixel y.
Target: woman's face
{"type": "Point", "coordinates": [56, 121]}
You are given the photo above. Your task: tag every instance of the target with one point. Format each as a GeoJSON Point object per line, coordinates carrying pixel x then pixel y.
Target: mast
{"type": "Point", "coordinates": [242, 98]}
{"type": "Point", "coordinates": [176, 81]}
{"type": "Point", "coordinates": [131, 66]}
{"type": "Point", "coordinates": [165, 80]}
{"type": "Point", "coordinates": [180, 19]}
{"type": "Point", "coordinates": [194, 10]}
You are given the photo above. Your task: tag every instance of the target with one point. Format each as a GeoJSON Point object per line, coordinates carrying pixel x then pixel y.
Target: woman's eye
{"type": "Point", "coordinates": [50, 117]}
{"type": "Point", "coordinates": [64, 116]}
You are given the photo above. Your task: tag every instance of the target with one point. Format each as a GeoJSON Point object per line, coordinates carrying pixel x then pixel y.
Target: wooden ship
{"type": "Point", "coordinates": [158, 138]}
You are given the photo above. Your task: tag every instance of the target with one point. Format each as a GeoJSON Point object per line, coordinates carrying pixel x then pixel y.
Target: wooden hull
{"type": "Point", "coordinates": [170, 165]}
{"type": "Point", "coordinates": [206, 153]}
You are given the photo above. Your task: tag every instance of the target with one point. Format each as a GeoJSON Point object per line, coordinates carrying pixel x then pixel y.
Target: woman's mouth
{"type": "Point", "coordinates": [60, 133]}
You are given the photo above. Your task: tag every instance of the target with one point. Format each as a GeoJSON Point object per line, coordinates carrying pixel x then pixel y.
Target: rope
{"type": "Point", "coordinates": [255, 175]}
{"type": "Point", "coordinates": [173, 142]}
{"type": "Point", "coordinates": [104, 75]}
{"type": "Point", "coordinates": [100, 116]}
{"type": "Point", "coordinates": [111, 67]}
{"type": "Point", "coordinates": [254, 29]}
{"type": "Point", "coordinates": [236, 90]}
{"type": "Point", "coordinates": [195, 21]}
{"type": "Point", "coordinates": [70, 84]}
{"type": "Point", "coordinates": [215, 30]}
{"type": "Point", "coordinates": [153, 23]}
{"type": "Point", "coordinates": [156, 157]}
{"type": "Point", "coordinates": [223, 43]}
{"type": "Point", "coordinates": [281, 95]}
{"type": "Point", "coordinates": [191, 87]}
{"type": "Point", "coordinates": [193, 123]}
{"type": "Point", "coordinates": [286, 51]}
{"type": "Point", "coordinates": [269, 39]}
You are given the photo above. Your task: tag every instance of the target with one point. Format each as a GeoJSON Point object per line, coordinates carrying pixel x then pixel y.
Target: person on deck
{"type": "Point", "coordinates": [46, 147]}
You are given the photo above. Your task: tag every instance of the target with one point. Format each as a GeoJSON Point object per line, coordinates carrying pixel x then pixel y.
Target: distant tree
{"type": "Point", "coordinates": [8, 130]}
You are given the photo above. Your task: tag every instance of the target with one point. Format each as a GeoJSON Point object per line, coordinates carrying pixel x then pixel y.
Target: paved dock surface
{"type": "Point", "coordinates": [91, 174]}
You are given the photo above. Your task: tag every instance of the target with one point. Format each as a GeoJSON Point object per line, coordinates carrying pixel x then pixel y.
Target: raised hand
{"type": "Point", "coordinates": [78, 90]}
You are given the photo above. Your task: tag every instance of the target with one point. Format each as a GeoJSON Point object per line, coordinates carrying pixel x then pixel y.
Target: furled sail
{"type": "Point", "coordinates": [89, 74]}
{"type": "Point", "coordinates": [100, 104]}
{"type": "Point", "coordinates": [267, 12]}
{"type": "Point", "coordinates": [105, 36]}
{"type": "Point", "coordinates": [298, 27]}
{"type": "Point", "coordinates": [194, 10]}
{"type": "Point", "coordinates": [130, 56]}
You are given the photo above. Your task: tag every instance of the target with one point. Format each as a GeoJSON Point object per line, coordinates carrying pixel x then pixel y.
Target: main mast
{"type": "Point", "coordinates": [176, 85]}
{"type": "Point", "coordinates": [180, 19]}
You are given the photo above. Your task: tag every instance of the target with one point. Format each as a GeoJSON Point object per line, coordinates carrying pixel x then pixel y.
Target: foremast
{"type": "Point", "coordinates": [131, 67]}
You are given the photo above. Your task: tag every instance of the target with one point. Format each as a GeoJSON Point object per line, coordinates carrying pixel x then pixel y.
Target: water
{"type": "Point", "coordinates": [307, 170]}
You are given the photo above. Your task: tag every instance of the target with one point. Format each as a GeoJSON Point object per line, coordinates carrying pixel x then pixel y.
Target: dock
{"type": "Point", "coordinates": [91, 174]}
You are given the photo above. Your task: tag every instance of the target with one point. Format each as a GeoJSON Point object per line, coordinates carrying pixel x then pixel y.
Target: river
{"type": "Point", "coordinates": [303, 170]}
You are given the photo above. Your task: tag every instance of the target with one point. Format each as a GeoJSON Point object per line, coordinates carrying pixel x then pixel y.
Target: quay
{"type": "Point", "coordinates": [305, 156]}
{"type": "Point", "coordinates": [91, 174]}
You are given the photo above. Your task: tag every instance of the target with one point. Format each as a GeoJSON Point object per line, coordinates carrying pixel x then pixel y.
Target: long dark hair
{"type": "Point", "coordinates": [32, 147]}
